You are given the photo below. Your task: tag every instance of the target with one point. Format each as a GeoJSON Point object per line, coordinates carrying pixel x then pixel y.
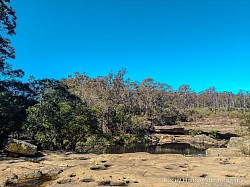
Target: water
{"type": "Point", "coordinates": [171, 148]}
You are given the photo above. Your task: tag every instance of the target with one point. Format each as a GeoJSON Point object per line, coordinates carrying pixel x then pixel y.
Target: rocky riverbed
{"type": "Point", "coordinates": [57, 169]}
{"type": "Point", "coordinates": [221, 167]}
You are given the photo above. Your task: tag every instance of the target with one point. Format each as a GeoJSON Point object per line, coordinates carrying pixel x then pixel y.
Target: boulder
{"type": "Point", "coordinates": [167, 129]}
{"type": "Point", "coordinates": [204, 141]}
{"type": "Point", "coordinates": [223, 152]}
{"type": "Point", "coordinates": [246, 147]}
{"type": "Point", "coordinates": [235, 142]}
{"type": "Point", "coordinates": [241, 143]}
{"type": "Point", "coordinates": [20, 147]}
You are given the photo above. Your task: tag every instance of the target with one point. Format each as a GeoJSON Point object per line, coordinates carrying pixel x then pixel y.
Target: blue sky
{"type": "Point", "coordinates": [200, 43]}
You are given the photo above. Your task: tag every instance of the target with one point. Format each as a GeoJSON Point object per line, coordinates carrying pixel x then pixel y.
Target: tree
{"type": "Point", "coordinates": [59, 120]}
{"type": "Point", "coordinates": [15, 96]}
{"type": "Point", "coordinates": [12, 112]}
{"type": "Point", "coordinates": [7, 28]}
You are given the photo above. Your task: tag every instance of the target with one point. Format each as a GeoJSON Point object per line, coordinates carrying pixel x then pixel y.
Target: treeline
{"type": "Point", "coordinates": [62, 114]}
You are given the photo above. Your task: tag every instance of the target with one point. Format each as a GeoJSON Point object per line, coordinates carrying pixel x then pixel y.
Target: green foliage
{"type": "Point", "coordinates": [213, 134]}
{"type": "Point", "coordinates": [247, 121]}
{"type": "Point", "coordinates": [15, 96]}
{"type": "Point", "coordinates": [126, 139]}
{"type": "Point", "coordinates": [13, 105]}
{"type": "Point", "coordinates": [7, 28]}
{"type": "Point", "coordinates": [197, 113]}
{"type": "Point", "coordinates": [59, 120]}
{"type": "Point", "coordinates": [131, 139]}
{"type": "Point", "coordinates": [139, 126]}
{"type": "Point", "coordinates": [195, 132]}
{"type": "Point", "coordinates": [95, 140]}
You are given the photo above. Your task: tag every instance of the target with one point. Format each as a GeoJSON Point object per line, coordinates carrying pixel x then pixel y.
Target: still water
{"type": "Point", "coordinates": [171, 148]}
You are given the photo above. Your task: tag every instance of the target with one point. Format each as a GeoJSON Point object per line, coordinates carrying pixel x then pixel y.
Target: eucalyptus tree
{"type": "Point", "coordinates": [15, 96]}
{"type": "Point", "coordinates": [7, 29]}
{"type": "Point", "coordinates": [59, 119]}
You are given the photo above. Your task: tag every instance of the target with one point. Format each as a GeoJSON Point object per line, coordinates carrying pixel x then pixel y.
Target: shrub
{"type": "Point", "coordinates": [213, 134]}
{"type": "Point", "coordinates": [195, 132]}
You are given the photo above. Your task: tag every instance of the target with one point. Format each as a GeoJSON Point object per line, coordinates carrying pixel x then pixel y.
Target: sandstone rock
{"type": "Point", "coordinates": [118, 183]}
{"type": "Point", "coordinates": [168, 129]}
{"type": "Point", "coordinates": [246, 147]}
{"type": "Point", "coordinates": [223, 152]}
{"type": "Point", "coordinates": [112, 183]}
{"type": "Point", "coordinates": [54, 172]}
{"type": "Point", "coordinates": [87, 180]}
{"type": "Point", "coordinates": [104, 183]}
{"type": "Point", "coordinates": [9, 182]}
{"type": "Point", "coordinates": [65, 181]}
{"type": "Point", "coordinates": [241, 143]}
{"type": "Point", "coordinates": [201, 139]}
{"type": "Point", "coordinates": [31, 175]}
{"type": "Point", "coordinates": [20, 147]}
{"type": "Point", "coordinates": [13, 155]}
{"type": "Point", "coordinates": [204, 141]}
{"type": "Point", "coordinates": [235, 142]}
{"type": "Point", "coordinates": [72, 175]}
{"type": "Point", "coordinates": [98, 168]}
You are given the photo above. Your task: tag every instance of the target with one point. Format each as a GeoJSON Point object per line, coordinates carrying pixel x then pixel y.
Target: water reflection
{"type": "Point", "coordinates": [171, 148]}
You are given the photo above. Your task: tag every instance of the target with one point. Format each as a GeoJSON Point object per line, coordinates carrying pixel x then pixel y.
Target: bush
{"type": "Point", "coordinates": [213, 134]}
{"type": "Point", "coordinates": [246, 121]}
{"type": "Point", "coordinates": [195, 132]}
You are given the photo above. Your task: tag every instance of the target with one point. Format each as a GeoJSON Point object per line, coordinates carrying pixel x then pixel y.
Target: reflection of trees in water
{"type": "Point", "coordinates": [175, 148]}
{"type": "Point", "coordinates": [155, 149]}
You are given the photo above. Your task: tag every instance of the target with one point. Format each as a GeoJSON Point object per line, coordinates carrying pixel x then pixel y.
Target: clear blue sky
{"type": "Point", "coordinates": [197, 42]}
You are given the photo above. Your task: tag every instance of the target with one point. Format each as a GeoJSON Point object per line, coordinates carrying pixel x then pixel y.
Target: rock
{"type": "Point", "coordinates": [168, 129]}
{"type": "Point", "coordinates": [72, 175]}
{"type": "Point", "coordinates": [154, 139]}
{"type": "Point", "coordinates": [204, 141]}
{"type": "Point", "coordinates": [243, 144]}
{"type": "Point", "coordinates": [65, 181]}
{"type": "Point", "coordinates": [224, 152]}
{"type": "Point", "coordinates": [87, 180]}
{"type": "Point", "coordinates": [204, 175]}
{"type": "Point", "coordinates": [9, 182]}
{"type": "Point", "coordinates": [235, 142]}
{"type": "Point", "coordinates": [32, 175]}
{"type": "Point", "coordinates": [100, 167]}
{"type": "Point", "coordinates": [104, 183]}
{"type": "Point", "coordinates": [13, 155]}
{"type": "Point", "coordinates": [34, 160]}
{"type": "Point", "coordinates": [83, 158]}
{"type": "Point", "coordinates": [246, 147]}
{"type": "Point", "coordinates": [107, 165]}
{"type": "Point", "coordinates": [54, 172]}
{"type": "Point", "coordinates": [118, 183]}
{"type": "Point", "coordinates": [112, 183]}
{"type": "Point", "coordinates": [20, 147]}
